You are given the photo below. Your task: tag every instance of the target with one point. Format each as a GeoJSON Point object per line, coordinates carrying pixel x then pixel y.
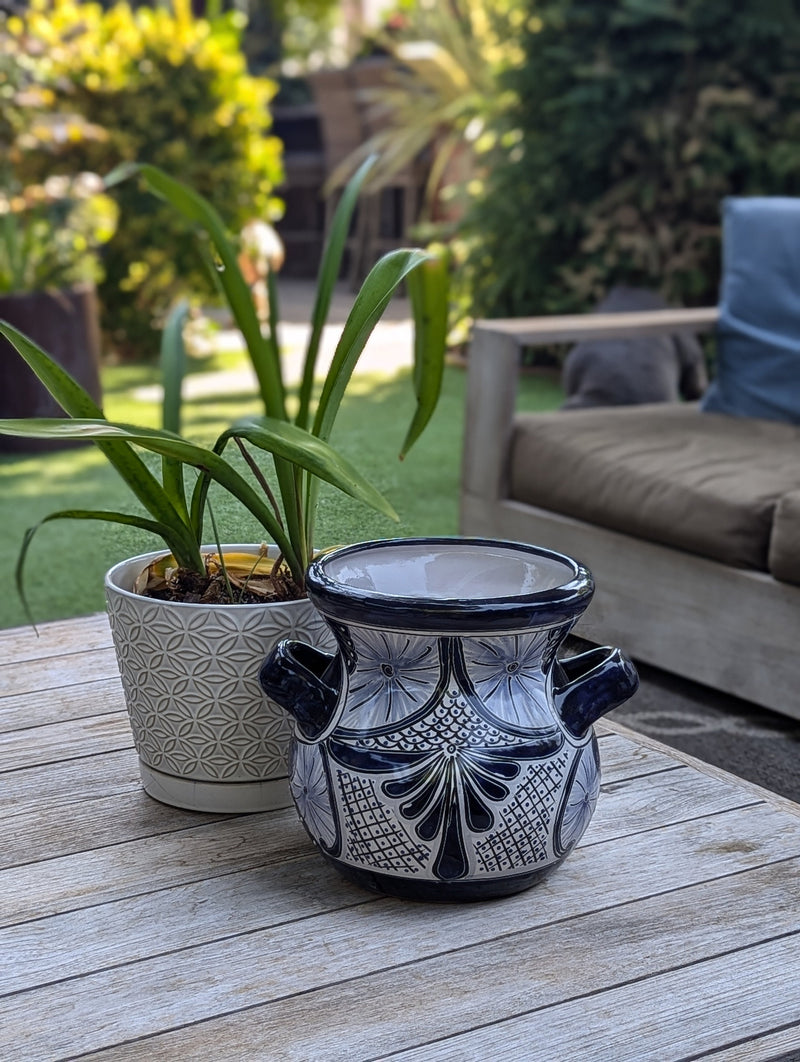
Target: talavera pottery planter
{"type": "Point", "coordinates": [208, 738]}
{"type": "Point", "coordinates": [443, 753]}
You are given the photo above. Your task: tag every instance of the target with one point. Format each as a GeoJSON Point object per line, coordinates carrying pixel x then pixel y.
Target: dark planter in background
{"type": "Point", "coordinates": [65, 324]}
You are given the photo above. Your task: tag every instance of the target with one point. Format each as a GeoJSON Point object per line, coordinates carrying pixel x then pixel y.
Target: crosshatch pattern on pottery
{"type": "Point", "coordinates": [207, 658]}
{"type": "Point", "coordinates": [456, 785]}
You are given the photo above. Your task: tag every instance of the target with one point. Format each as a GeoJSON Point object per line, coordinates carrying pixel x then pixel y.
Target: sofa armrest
{"type": "Point", "coordinates": [540, 331]}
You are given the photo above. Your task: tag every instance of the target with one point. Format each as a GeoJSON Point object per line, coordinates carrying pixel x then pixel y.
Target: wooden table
{"type": "Point", "coordinates": [138, 931]}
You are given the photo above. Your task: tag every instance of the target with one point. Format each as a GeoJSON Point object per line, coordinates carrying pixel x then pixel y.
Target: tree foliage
{"type": "Point", "coordinates": [168, 88]}
{"type": "Point", "coordinates": [634, 119]}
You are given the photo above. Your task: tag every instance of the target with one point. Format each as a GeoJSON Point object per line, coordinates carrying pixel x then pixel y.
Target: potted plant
{"type": "Point", "coordinates": [207, 739]}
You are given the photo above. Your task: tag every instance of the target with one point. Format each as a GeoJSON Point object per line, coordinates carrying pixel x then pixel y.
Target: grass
{"type": "Point", "coordinates": [67, 561]}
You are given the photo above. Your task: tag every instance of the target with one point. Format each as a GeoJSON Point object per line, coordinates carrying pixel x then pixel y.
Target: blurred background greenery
{"type": "Point", "coordinates": [567, 146]}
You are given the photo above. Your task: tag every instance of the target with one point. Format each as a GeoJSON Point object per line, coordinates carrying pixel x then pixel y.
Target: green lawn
{"type": "Point", "coordinates": [68, 558]}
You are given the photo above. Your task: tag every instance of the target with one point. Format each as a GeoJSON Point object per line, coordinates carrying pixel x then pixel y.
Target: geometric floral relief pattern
{"type": "Point", "coordinates": [190, 676]}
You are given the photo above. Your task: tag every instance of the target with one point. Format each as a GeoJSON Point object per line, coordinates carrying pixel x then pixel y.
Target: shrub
{"type": "Point", "coordinates": [635, 120]}
{"type": "Point", "coordinates": [170, 89]}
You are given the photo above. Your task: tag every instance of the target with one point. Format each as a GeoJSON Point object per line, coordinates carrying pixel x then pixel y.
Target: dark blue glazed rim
{"type": "Point", "coordinates": [560, 604]}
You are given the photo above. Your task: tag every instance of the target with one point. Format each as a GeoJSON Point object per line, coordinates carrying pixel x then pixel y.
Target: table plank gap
{"type": "Point", "coordinates": [128, 868]}
{"type": "Point", "coordinates": [789, 806]}
{"type": "Point", "coordinates": [72, 739]}
{"type": "Point", "coordinates": [781, 1045]}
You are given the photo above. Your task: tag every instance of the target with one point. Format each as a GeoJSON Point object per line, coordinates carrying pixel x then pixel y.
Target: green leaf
{"type": "Point", "coordinates": [368, 307]}
{"type": "Point", "coordinates": [428, 289]}
{"type": "Point", "coordinates": [162, 530]}
{"type": "Point", "coordinates": [173, 366]}
{"type": "Point", "coordinates": [173, 369]}
{"type": "Point", "coordinates": [194, 207]}
{"type": "Point", "coordinates": [329, 270]}
{"type": "Point", "coordinates": [75, 401]}
{"type": "Point", "coordinates": [263, 352]}
{"type": "Point", "coordinates": [168, 445]}
{"type": "Point", "coordinates": [311, 454]}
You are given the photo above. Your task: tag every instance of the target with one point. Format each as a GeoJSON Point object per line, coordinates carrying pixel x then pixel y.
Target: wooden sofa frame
{"type": "Point", "coordinates": [733, 629]}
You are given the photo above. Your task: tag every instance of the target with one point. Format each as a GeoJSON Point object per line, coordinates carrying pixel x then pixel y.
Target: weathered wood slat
{"type": "Point", "coordinates": [74, 739]}
{"type": "Point", "coordinates": [678, 1015]}
{"type": "Point", "coordinates": [48, 790]}
{"type": "Point", "coordinates": [75, 702]}
{"type": "Point", "coordinates": [620, 757]}
{"type": "Point", "coordinates": [609, 728]}
{"type": "Point", "coordinates": [631, 805]}
{"type": "Point", "coordinates": [135, 867]}
{"type": "Point", "coordinates": [87, 940]}
{"type": "Point", "coordinates": [53, 674]}
{"type": "Point", "coordinates": [126, 816]}
{"type": "Point", "coordinates": [576, 956]}
{"type": "Point", "coordinates": [56, 638]}
{"type": "Point", "coordinates": [783, 1046]}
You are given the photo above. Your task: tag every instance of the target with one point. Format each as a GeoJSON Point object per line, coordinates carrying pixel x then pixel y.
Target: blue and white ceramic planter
{"type": "Point", "coordinates": [444, 753]}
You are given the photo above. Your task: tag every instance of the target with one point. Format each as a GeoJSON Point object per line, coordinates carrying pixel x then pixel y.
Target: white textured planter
{"type": "Point", "coordinates": [207, 736]}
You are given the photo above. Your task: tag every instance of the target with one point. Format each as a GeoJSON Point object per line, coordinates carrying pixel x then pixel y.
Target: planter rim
{"type": "Point", "coordinates": [560, 603]}
{"type": "Point", "coordinates": [122, 568]}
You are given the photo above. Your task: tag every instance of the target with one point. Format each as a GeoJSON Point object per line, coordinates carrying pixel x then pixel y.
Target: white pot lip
{"type": "Point", "coordinates": [355, 600]}
{"type": "Point", "coordinates": [127, 570]}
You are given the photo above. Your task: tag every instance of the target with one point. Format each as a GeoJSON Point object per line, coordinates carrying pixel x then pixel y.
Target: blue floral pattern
{"type": "Point", "coordinates": [507, 673]}
{"type": "Point", "coordinates": [396, 675]}
{"type": "Point", "coordinates": [308, 782]}
{"type": "Point", "coordinates": [581, 793]}
{"type": "Point", "coordinates": [450, 775]}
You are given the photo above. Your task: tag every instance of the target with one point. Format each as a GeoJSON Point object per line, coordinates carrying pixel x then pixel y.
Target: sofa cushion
{"type": "Point", "coordinates": [702, 482]}
{"type": "Point", "coordinates": [758, 341]}
{"type": "Point", "coordinates": [784, 544]}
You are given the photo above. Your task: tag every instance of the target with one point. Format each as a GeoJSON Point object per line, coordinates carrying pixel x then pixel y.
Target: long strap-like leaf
{"type": "Point", "coordinates": [75, 401]}
{"type": "Point", "coordinates": [368, 307]}
{"type": "Point", "coordinates": [173, 369]}
{"type": "Point", "coordinates": [168, 445]}
{"type": "Point", "coordinates": [313, 455]}
{"type": "Point", "coordinates": [428, 289]}
{"type": "Point", "coordinates": [326, 280]}
{"type": "Point", "coordinates": [263, 351]}
{"type": "Point", "coordinates": [162, 530]}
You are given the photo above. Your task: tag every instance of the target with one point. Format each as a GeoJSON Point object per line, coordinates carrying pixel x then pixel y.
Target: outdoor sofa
{"type": "Point", "coordinates": [688, 514]}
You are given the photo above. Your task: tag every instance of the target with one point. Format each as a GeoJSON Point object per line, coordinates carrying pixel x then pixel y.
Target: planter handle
{"type": "Point", "coordinates": [305, 683]}
{"type": "Point", "coordinates": [596, 682]}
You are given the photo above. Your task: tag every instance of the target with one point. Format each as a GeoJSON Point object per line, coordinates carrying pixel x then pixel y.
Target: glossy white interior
{"type": "Point", "coordinates": [449, 571]}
